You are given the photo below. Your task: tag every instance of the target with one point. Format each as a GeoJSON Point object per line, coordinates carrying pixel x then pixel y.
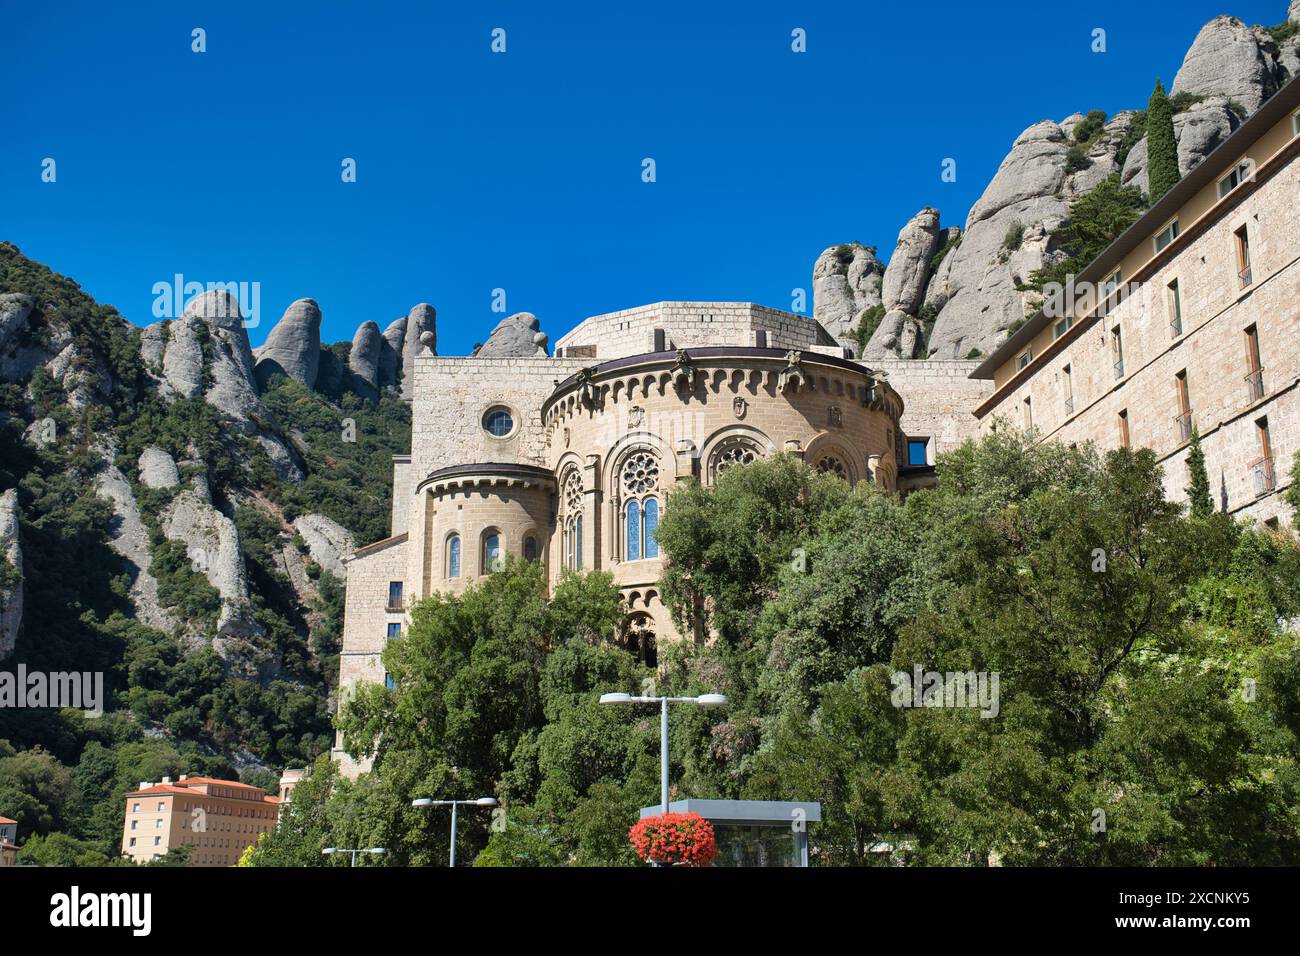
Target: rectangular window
{"type": "Point", "coordinates": [1243, 256]}
{"type": "Point", "coordinates": [1029, 414]}
{"type": "Point", "coordinates": [1295, 123]}
{"type": "Point", "coordinates": [1254, 369]}
{"type": "Point", "coordinates": [1123, 428]}
{"type": "Point", "coordinates": [394, 595]}
{"type": "Point", "coordinates": [1184, 416]}
{"type": "Point", "coordinates": [1025, 358]}
{"type": "Point", "coordinates": [918, 451]}
{"type": "Point", "coordinates": [394, 631]}
{"type": "Point", "coordinates": [1175, 309]}
{"type": "Point", "coordinates": [389, 682]}
{"type": "Point", "coordinates": [1062, 326]}
{"type": "Point", "coordinates": [132, 841]}
{"type": "Point", "coordinates": [1109, 293]}
{"type": "Point", "coordinates": [1239, 174]}
{"type": "Point", "coordinates": [1262, 473]}
{"type": "Point", "coordinates": [1117, 352]}
{"type": "Point", "coordinates": [1166, 235]}
{"type": "Point", "coordinates": [1067, 389]}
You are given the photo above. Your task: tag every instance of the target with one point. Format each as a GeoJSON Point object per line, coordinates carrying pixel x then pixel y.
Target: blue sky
{"type": "Point", "coordinates": [522, 171]}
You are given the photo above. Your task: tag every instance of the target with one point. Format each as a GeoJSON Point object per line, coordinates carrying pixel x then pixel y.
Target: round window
{"type": "Point", "coordinates": [499, 422]}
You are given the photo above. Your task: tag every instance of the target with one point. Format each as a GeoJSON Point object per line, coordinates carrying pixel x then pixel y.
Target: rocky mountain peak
{"type": "Point", "coordinates": [515, 336]}
{"type": "Point", "coordinates": [846, 282]}
{"type": "Point", "coordinates": [293, 347]}
{"type": "Point", "coordinates": [1226, 59]}
{"type": "Point", "coordinates": [978, 289]}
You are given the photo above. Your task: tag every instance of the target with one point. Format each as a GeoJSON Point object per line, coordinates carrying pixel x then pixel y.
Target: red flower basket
{"type": "Point", "coordinates": [674, 839]}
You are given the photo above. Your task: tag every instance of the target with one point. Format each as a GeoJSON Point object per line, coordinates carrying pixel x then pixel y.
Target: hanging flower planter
{"type": "Point", "coordinates": [674, 839]}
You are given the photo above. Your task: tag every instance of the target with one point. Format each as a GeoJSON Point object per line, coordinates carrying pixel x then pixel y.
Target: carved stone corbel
{"type": "Point", "coordinates": [684, 372]}
{"type": "Point", "coordinates": [792, 374]}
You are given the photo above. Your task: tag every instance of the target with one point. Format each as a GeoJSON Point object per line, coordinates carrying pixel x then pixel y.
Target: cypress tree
{"type": "Point", "coordinates": [1198, 492]}
{"type": "Point", "coordinates": [1162, 145]}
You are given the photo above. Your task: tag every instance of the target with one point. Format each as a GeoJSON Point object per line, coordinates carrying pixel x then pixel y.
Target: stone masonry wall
{"type": "Point", "coordinates": [366, 617]}
{"type": "Point", "coordinates": [692, 325]}
{"type": "Point", "coordinates": [1211, 350]}
{"type": "Point", "coordinates": [939, 399]}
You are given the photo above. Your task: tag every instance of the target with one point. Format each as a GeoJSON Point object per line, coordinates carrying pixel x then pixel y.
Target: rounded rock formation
{"type": "Point", "coordinates": [293, 347]}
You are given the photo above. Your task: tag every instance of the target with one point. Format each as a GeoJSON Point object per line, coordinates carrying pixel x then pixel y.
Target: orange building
{"type": "Point", "coordinates": [217, 819]}
{"type": "Point", "coordinates": [8, 842]}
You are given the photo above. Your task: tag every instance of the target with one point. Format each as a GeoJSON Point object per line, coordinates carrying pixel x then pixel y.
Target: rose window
{"type": "Point", "coordinates": [640, 473]}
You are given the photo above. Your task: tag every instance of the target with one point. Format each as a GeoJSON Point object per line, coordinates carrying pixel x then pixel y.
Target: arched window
{"type": "Point", "coordinates": [651, 519]}
{"type": "Point", "coordinates": [732, 452]}
{"type": "Point", "coordinates": [453, 556]}
{"type": "Point", "coordinates": [639, 638]}
{"type": "Point", "coordinates": [632, 523]}
{"type": "Point", "coordinates": [571, 521]}
{"type": "Point", "coordinates": [491, 552]}
{"type": "Point", "coordinates": [577, 543]}
{"type": "Point", "coordinates": [834, 465]}
{"type": "Point", "coordinates": [530, 548]}
{"type": "Point", "coordinates": [640, 484]}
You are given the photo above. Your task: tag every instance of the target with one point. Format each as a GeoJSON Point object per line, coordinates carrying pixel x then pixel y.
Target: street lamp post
{"type": "Point", "coordinates": [704, 700]}
{"type": "Point", "coordinates": [331, 850]}
{"type": "Point", "coordinates": [430, 802]}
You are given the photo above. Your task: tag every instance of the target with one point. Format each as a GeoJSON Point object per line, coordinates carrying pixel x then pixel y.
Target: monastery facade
{"type": "Point", "coordinates": [568, 458]}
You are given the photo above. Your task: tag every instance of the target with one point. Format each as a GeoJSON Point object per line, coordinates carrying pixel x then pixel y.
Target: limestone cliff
{"type": "Point", "coordinates": [978, 292]}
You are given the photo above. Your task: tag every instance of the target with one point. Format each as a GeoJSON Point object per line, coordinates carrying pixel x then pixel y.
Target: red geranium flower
{"type": "Point", "coordinates": [674, 838]}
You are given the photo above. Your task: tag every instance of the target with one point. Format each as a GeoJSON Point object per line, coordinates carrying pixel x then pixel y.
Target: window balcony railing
{"type": "Point", "coordinates": [1255, 380]}
{"type": "Point", "coordinates": [1244, 276]}
{"type": "Point", "coordinates": [1175, 328]}
{"type": "Point", "coordinates": [1184, 423]}
{"type": "Point", "coordinates": [1263, 477]}
{"type": "Point", "coordinates": [1069, 405]}
{"type": "Point", "coordinates": [1119, 368]}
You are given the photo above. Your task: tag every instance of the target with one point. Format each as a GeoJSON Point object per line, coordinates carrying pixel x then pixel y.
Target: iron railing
{"type": "Point", "coordinates": [1263, 477]}
{"type": "Point", "coordinates": [1255, 380]}
{"type": "Point", "coordinates": [1184, 423]}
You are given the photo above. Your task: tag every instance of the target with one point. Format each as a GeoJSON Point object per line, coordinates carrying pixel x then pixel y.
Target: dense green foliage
{"type": "Point", "coordinates": [173, 706]}
{"type": "Point", "coordinates": [1096, 219]}
{"type": "Point", "coordinates": [1162, 145]}
{"type": "Point", "coordinates": [1198, 488]}
{"type": "Point", "coordinates": [1147, 659]}
{"type": "Point", "coordinates": [868, 322]}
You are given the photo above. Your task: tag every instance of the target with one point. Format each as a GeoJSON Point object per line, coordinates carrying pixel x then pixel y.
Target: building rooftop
{"type": "Point", "coordinates": [188, 786]}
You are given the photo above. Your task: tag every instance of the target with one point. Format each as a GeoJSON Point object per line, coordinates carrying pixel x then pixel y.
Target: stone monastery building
{"type": "Point", "coordinates": [568, 458]}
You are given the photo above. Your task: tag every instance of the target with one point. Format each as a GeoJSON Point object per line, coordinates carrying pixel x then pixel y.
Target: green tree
{"type": "Point", "coordinates": [845, 756]}
{"type": "Point", "coordinates": [467, 692]}
{"type": "Point", "coordinates": [1292, 494]}
{"type": "Point", "coordinates": [1198, 489]}
{"type": "Point", "coordinates": [1096, 219]}
{"type": "Point", "coordinates": [1162, 145]}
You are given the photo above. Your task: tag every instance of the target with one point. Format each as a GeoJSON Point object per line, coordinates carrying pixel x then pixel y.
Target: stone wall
{"type": "Point", "coordinates": [1211, 350]}
{"type": "Point", "coordinates": [939, 399]}
{"type": "Point", "coordinates": [452, 395]}
{"type": "Point", "coordinates": [402, 491]}
{"type": "Point", "coordinates": [690, 325]}
{"type": "Point", "coordinates": [366, 616]}
{"type": "Point", "coordinates": [474, 508]}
